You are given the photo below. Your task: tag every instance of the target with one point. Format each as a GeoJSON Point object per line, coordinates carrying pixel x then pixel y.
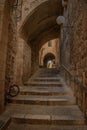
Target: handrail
{"type": "Point", "coordinates": [66, 70]}
{"type": "Point", "coordinates": [75, 79]}
{"type": "Point", "coordinates": [80, 91]}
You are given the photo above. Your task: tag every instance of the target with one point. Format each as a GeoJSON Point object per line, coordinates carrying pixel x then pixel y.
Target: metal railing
{"type": "Point", "coordinates": [79, 90]}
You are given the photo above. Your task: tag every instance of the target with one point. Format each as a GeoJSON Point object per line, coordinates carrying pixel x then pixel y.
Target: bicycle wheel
{"type": "Point", "coordinates": [14, 90]}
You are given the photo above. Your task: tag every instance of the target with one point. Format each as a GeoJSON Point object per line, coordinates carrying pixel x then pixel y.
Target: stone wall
{"type": "Point", "coordinates": [74, 33]}
{"type": "Point", "coordinates": [34, 59]}
{"type": "Point", "coordinates": [26, 62]}
{"type": "Point", "coordinates": [5, 25]}
{"type": "Point", "coordinates": [23, 62]}
{"type": "Point", "coordinates": [11, 50]}
{"type": "Point", "coordinates": [3, 46]}
{"type": "Point", "coordinates": [19, 61]}
{"type": "Point", "coordinates": [11, 54]}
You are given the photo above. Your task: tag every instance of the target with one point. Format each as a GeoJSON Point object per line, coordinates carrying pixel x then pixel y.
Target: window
{"type": "Point", "coordinates": [49, 44]}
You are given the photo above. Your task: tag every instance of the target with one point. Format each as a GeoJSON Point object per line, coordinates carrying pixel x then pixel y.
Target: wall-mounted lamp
{"type": "Point", "coordinates": [61, 21]}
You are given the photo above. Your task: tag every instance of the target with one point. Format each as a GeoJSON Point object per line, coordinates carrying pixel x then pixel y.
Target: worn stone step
{"type": "Point", "coordinates": [48, 75]}
{"type": "Point", "coordinates": [33, 83]}
{"type": "Point", "coordinates": [66, 111]}
{"type": "Point", "coordinates": [51, 70]}
{"type": "Point", "coordinates": [47, 119]}
{"type": "Point", "coordinates": [44, 100]}
{"type": "Point", "coordinates": [50, 115]}
{"type": "Point", "coordinates": [46, 91]}
{"type": "Point", "coordinates": [23, 126]}
{"type": "Point", "coordinates": [48, 72]}
{"type": "Point", "coordinates": [51, 79]}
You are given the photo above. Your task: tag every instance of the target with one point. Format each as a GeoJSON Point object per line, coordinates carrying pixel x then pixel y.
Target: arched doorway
{"type": "Point", "coordinates": [40, 26]}
{"type": "Point", "coordinates": [48, 57]}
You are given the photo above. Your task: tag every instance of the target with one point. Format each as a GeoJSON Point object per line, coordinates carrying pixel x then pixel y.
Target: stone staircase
{"type": "Point", "coordinates": [45, 103]}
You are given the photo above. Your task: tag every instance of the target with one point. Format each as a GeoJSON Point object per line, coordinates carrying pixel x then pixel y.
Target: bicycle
{"type": "Point", "coordinates": [11, 91]}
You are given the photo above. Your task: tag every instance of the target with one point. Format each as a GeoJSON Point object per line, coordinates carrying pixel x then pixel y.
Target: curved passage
{"type": "Point", "coordinates": [40, 25]}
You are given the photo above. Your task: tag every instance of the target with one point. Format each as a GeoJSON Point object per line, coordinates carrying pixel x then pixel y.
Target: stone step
{"type": "Point", "coordinates": [48, 75]}
{"type": "Point", "coordinates": [46, 91]}
{"type": "Point", "coordinates": [33, 83]}
{"type": "Point", "coordinates": [47, 119]}
{"type": "Point", "coordinates": [52, 74]}
{"type": "Point", "coordinates": [51, 115]}
{"type": "Point", "coordinates": [51, 70]}
{"type": "Point", "coordinates": [44, 100]}
{"type": "Point", "coordinates": [51, 79]}
{"type": "Point", "coordinates": [48, 72]}
{"type": "Point", "coordinates": [23, 126]}
{"type": "Point", "coordinates": [66, 111]}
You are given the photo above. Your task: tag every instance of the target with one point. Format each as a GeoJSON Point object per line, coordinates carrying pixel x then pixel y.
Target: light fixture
{"type": "Point", "coordinates": [60, 20]}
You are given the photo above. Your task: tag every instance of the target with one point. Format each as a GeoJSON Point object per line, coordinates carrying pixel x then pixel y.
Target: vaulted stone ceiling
{"type": "Point", "coordinates": [40, 25]}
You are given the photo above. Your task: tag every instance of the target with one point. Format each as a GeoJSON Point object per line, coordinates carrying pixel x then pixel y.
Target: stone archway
{"type": "Point", "coordinates": [40, 26]}
{"type": "Point", "coordinates": [48, 57]}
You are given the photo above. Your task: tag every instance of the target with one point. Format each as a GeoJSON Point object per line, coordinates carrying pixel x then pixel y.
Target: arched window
{"type": "Point", "coordinates": [49, 44]}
